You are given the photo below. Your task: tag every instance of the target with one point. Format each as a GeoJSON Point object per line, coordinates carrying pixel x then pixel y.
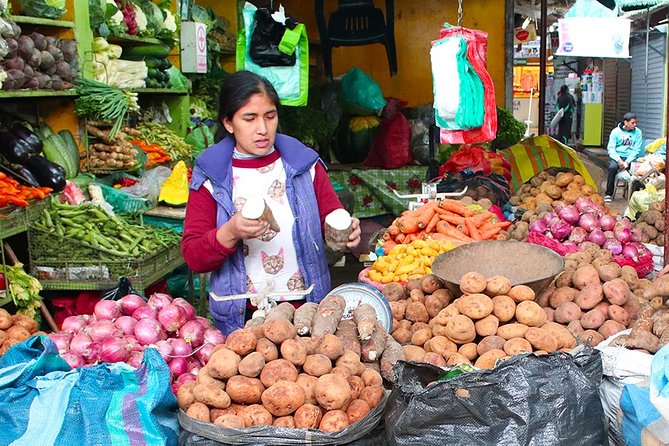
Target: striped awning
{"type": "Point", "coordinates": [533, 155]}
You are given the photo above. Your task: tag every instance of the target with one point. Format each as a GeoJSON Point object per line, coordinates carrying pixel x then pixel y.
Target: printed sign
{"type": "Point", "coordinates": [594, 37]}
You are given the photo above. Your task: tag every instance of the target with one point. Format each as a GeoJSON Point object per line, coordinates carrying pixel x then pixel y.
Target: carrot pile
{"type": "Point", "coordinates": [445, 220]}
{"type": "Point", "coordinates": [11, 192]}
{"type": "Point", "coordinates": [155, 153]}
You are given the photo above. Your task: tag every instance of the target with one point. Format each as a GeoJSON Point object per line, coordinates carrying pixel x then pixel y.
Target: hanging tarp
{"type": "Point", "coordinates": [533, 155]}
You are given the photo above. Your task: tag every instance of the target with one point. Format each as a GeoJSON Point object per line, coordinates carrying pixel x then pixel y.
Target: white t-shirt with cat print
{"type": "Point", "coordinates": [272, 256]}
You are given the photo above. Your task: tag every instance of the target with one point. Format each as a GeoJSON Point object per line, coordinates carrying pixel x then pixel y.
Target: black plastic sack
{"type": "Point", "coordinates": [533, 400]}
{"type": "Point", "coordinates": [265, 39]}
{"type": "Point", "coordinates": [497, 184]}
{"type": "Point", "coordinates": [123, 288]}
{"type": "Point", "coordinates": [365, 432]}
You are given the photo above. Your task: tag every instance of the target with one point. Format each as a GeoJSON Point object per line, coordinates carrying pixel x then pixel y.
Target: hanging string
{"type": "Point", "coordinates": [459, 12]}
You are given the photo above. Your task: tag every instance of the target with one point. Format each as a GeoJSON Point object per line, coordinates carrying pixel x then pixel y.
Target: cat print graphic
{"type": "Point", "coordinates": [277, 190]}
{"type": "Point", "coordinates": [272, 264]}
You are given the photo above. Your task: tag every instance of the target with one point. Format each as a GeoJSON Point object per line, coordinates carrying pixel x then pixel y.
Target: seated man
{"type": "Point", "coordinates": [624, 147]}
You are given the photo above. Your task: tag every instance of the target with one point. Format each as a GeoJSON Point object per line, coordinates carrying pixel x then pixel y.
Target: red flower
{"type": "Point", "coordinates": [367, 200]}
{"type": "Point", "coordinates": [354, 181]}
{"type": "Point", "coordinates": [414, 183]}
{"type": "Point", "coordinates": [391, 185]}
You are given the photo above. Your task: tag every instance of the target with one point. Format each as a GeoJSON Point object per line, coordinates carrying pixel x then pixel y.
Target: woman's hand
{"type": "Point", "coordinates": [240, 228]}
{"type": "Point", "coordinates": [354, 237]}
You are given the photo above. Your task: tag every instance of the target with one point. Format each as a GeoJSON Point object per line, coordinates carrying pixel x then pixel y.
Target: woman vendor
{"type": "Point", "coordinates": [243, 254]}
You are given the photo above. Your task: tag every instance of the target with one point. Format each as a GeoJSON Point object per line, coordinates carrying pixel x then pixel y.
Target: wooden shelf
{"type": "Point", "coordinates": [130, 39]}
{"type": "Point", "coordinates": [41, 21]}
{"type": "Point", "coordinates": [7, 94]}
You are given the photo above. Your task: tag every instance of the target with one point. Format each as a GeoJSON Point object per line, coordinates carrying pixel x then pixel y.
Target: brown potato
{"type": "Point", "coordinates": [418, 326]}
{"type": "Point", "coordinates": [416, 295]}
{"type": "Point", "coordinates": [473, 283]}
{"type": "Point", "coordinates": [317, 365]}
{"type": "Point", "coordinates": [357, 410]}
{"type": "Point", "coordinates": [517, 345]}
{"type": "Point", "coordinates": [231, 421]}
{"type": "Point", "coordinates": [255, 415]}
{"type": "Point", "coordinates": [590, 296]}
{"type": "Point", "coordinates": [267, 349]}
{"type": "Point", "coordinates": [223, 363]}
{"type": "Point", "coordinates": [562, 295]}
{"type": "Point", "coordinates": [434, 359]}
{"type": "Point", "coordinates": [350, 361]}
{"type": "Point", "coordinates": [468, 350]}
{"type": "Point", "coordinates": [490, 343]}
{"type": "Point", "coordinates": [241, 341]}
{"type": "Point", "coordinates": [497, 285]}
{"type": "Point", "coordinates": [475, 306]}
{"type": "Point", "coordinates": [584, 276]}
{"type": "Point", "coordinates": [520, 293]}
{"type": "Point", "coordinates": [414, 353]}
{"type": "Point", "coordinates": [461, 329]}
{"type": "Point", "coordinates": [434, 305]}
{"type": "Point", "coordinates": [307, 382]}
{"type": "Point", "coordinates": [356, 384]}
{"type": "Point", "coordinates": [447, 314]}
{"type": "Point", "coordinates": [398, 308]}
{"type": "Point", "coordinates": [402, 335]}
{"type": "Point", "coordinates": [211, 395]}
{"type": "Point", "coordinates": [489, 359]}
{"type": "Point", "coordinates": [421, 336]}
{"type": "Point", "coordinates": [199, 411]}
{"type": "Point", "coordinates": [563, 337]}
{"type": "Point", "coordinates": [590, 337]}
{"type": "Point", "coordinates": [457, 358]}
{"type": "Point", "coordinates": [541, 339]}
{"type": "Point", "coordinates": [444, 295]}
{"type": "Point", "coordinates": [288, 422]}
{"type": "Point", "coordinates": [277, 370]}
{"type": "Point", "coordinates": [26, 322]}
{"type": "Point", "coordinates": [341, 370]}
{"type": "Point", "coordinates": [372, 395]}
{"type": "Point", "coordinates": [416, 312]}
{"type": "Point", "coordinates": [430, 284]}
{"type": "Point", "coordinates": [278, 330]}
{"type": "Point", "coordinates": [394, 291]}
{"type": "Point", "coordinates": [295, 350]}
{"type": "Point", "coordinates": [487, 326]}
{"type": "Point", "coordinates": [504, 308]}
{"type": "Point", "coordinates": [308, 416]}
{"type": "Point", "coordinates": [252, 364]}
{"type": "Point", "coordinates": [514, 330]}
{"type": "Point", "coordinates": [244, 390]}
{"type": "Point", "coordinates": [185, 395]}
{"type": "Point", "coordinates": [283, 398]}
{"type": "Point", "coordinates": [334, 421]}
{"type": "Point", "coordinates": [330, 346]}
{"type": "Point", "coordinates": [332, 391]}
{"type": "Point", "coordinates": [443, 346]}
{"type": "Point", "coordinates": [530, 314]}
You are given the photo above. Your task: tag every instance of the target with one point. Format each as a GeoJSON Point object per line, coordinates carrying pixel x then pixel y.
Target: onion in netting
{"type": "Point", "coordinates": [74, 324]}
{"type": "Point", "coordinates": [62, 341]}
{"type": "Point", "coordinates": [178, 366]}
{"type": "Point", "coordinates": [569, 214]}
{"type": "Point", "coordinates": [73, 360]}
{"type": "Point", "coordinates": [539, 226]}
{"type": "Point", "coordinates": [126, 324]}
{"type": "Point", "coordinates": [631, 252]}
{"type": "Point", "coordinates": [180, 347]}
{"type": "Point", "coordinates": [101, 330]}
{"type": "Point", "coordinates": [183, 303]}
{"type": "Point", "coordinates": [607, 222]}
{"type": "Point", "coordinates": [159, 300]}
{"type": "Point", "coordinates": [623, 235]}
{"type": "Point", "coordinates": [80, 344]}
{"type": "Point", "coordinates": [144, 313]}
{"type": "Point", "coordinates": [589, 222]}
{"type": "Point", "coordinates": [560, 229]}
{"type": "Point", "coordinates": [597, 236]}
{"type": "Point", "coordinates": [113, 350]}
{"type": "Point", "coordinates": [148, 331]}
{"type": "Point", "coordinates": [107, 310]}
{"type": "Point", "coordinates": [204, 352]}
{"type": "Point", "coordinates": [192, 332]}
{"type": "Point", "coordinates": [171, 317]}
{"type": "Point", "coordinates": [213, 336]}
{"type": "Point", "coordinates": [614, 246]}
{"type": "Point", "coordinates": [164, 348]}
{"type": "Point", "coordinates": [130, 303]}
{"type": "Point", "coordinates": [578, 235]}
{"type": "Point", "coordinates": [135, 359]}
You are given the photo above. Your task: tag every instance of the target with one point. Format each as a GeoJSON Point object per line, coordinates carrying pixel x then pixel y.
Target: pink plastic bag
{"type": "Point", "coordinates": [392, 144]}
{"type": "Point", "coordinates": [550, 243]}
{"type": "Point", "coordinates": [477, 47]}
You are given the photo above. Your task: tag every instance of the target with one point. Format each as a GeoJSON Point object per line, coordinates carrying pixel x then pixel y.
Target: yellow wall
{"type": "Point", "coordinates": [417, 23]}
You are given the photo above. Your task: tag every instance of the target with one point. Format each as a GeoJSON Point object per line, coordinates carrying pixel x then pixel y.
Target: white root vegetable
{"type": "Point", "coordinates": [327, 317]}
{"type": "Point", "coordinates": [255, 208]}
{"type": "Point", "coordinates": [304, 318]}
{"type": "Point", "coordinates": [365, 318]}
{"type": "Point", "coordinates": [337, 229]}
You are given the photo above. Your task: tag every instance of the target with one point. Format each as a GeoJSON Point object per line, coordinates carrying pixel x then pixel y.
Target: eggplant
{"type": "Point", "coordinates": [48, 174]}
{"type": "Point", "coordinates": [26, 134]}
{"type": "Point", "coordinates": [14, 148]}
{"type": "Point", "coordinates": [20, 174]}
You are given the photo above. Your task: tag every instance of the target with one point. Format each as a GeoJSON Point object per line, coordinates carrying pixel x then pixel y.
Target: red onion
{"type": "Point", "coordinates": [539, 226]}
{"type": "Point", "coordinates": [130, 303]}
{"type": "Point", "coordinates": [213, 336]}
{"type": "Point", "coordinates": [74, 324]}
{"type": "Point", "coordinates": [107, 310]}
{"type": "Point", "coordinates": [204, 353]}
{"type": "Point", "coordinates": [204, 322]}
{"type": "Point", "coordinates": [144, 313]}
{"type": "Point", "coordinates": [101, 330]}
{"type": "Point", "coordinates": [560, 229]}
{"type": "Point", "coordinates": [148, 331]}
{"type": "Point", "coordinates": [569, 214]}
{"type": "Point", "coordinates": [164, 348]}
{"type": "Point", "coordinates": [607, 222]}
{"type": "Point", "coordinates": [609, 234]}
{"type": "Point", "coordinates": [578, 235]}
{"type": "Point", "coordinates": [589, 222]}
{"type": "Point", "coordinates": [623, 235]}
{"type": "Point", "coordinates": [178, 366]}
{"type": "Point", "coordinates": [584, 246]}
{"type": "Point", "coordinates": [550, 216]}
{"type": "Point", "coordinates": [625, 223]}
{"type": "Point", "coordinates": [171, 317]}
{"type": "Point", "coordinates": [569, 243]}
{"type": "Point", "coordinates": [180, 347]}
{"type": "Point", "coordinates": [80, 344]}
{"type": "Point", "coordinates": [558, 205]}
{"type": "Point", "coordinates": [631, 252]}
{"type": "Point", "coordinates": [132, 343]}
{"type": "Point", "coordinates": [72, 359]}
{"type": "Point", "coordinates": [62, 341]}
{"type": "Point", "coordinates": [614, 246]}
{"type": "Point", "coordinates": [636, 235]}
{"type": "Point", "coordinates": [185, 377]}
{"type": "Point", "coordinates": [183, 303]}
{"type": "Point", "coordinates": [192, 332]}
{"type": "Point", "coordinates": [113, 350]}
{"type": "Point", "coordinates": [135, 359]}
{"type": "Point", "coordinates": [92, 354]}
{"type": "Point", "coordinates": [159, 300]}
{"type": "Point", "coordinates": [597, 236]}
{"type": "Point", "coordinates": [126, 324]}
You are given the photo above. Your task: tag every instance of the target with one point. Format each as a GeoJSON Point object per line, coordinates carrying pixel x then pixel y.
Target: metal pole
{"type": "Point", "coordinates": [542, 67]}
{"type": "Point", "coordinates": [666, 164]}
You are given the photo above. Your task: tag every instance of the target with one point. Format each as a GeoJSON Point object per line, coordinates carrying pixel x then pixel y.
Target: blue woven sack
{"type": "Point", "coordinates": [45, 402]}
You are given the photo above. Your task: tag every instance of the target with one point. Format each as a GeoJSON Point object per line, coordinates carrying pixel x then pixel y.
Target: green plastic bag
{"type": "Point", "coordinates": [641, 200]}
{"type": "Point", "coordinates": [200, 137]}
{"type": "Point", "coordinates": [362, 95]}
{"type": "Point", "coordinates": [47, 9]}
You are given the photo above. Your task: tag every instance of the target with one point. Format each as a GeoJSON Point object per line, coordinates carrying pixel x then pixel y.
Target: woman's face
{"type": "Point", "coordinates": [254, 125]}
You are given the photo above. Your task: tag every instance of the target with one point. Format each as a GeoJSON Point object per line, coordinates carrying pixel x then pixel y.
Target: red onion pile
{"type": "Point", "coordinates": [119, 331]}
{"type": "Point", "coordinates": [585, 221]}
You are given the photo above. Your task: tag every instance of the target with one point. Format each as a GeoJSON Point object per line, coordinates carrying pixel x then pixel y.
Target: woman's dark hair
{"type": "Point", "coordinates": [236, 90]}
{"type": "Point", "coordinates": [563, 89]}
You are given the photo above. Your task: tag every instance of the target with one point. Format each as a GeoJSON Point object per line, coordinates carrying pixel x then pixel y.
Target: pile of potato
{"type": "Point", "coordinates": [492, 320]}
{"type": "Point", "coordinates": [304, 368]}
{"type": "Point", "coordinates": [545, 188]}
{"type": "Point", "coordinates": [521, 228]}
{"type": "Point", "coordinates": [14, 329]}
{"type": "Point", "coordinates": [651, 224]}
{"type": "Point", "coordinates": [594, 297]}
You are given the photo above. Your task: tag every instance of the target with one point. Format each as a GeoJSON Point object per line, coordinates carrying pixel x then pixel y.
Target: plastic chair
{"type": "Point", "coordinates": [355, 23]}
{"type": "Point", "coordinates": [623, 181]}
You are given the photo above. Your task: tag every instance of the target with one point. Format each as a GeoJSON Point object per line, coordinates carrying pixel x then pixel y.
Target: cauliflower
{"type": "Point", "coordinates": [140, 19]}
{"type": "Point", "coordinates": [3, 76]}
{"type": "Point", "coordinates": [116, 19]}
{"type": "Point", "coordinates": [170, 22]}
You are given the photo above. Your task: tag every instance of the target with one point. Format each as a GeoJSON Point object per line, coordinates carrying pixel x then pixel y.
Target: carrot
{"type": "Point", "coordinates": [426, 216]}
{"type": "Point", "coordinates": [456, 206]}
{"type": "Point", "coordinates": [400, 237]}
{"type": "Point", "coordinates": [388, 245]}
{"type": "Point", "coordinates": [441, 226]}
{"type": "Point", "coordinates": [481, 218]}
{"type": "Point", "coordinates": [433, 223]}
{"type": "Point", "coordinates": [463, 228]}
{"type": "Point", "coordinates": [489, 225]}
{"type": "Point", "coordinates": [409, 238]}
{"type": "Point", "coordinates": [473, 231]}
{"type": "Point", "coordinates": [490, 233]}
{"type": "Point", "coordinates": [385, 236]}
{"type": "Point", "coordinates": [500, 237]}
{"type": "Point", "coordinates": [393, 230]}
{"type": "Point", "coordinates": [450, 231]}
{"type": "Point", "coordinates": [454, 219]}
{"type": "Point", "coordinates": [408, 225]}
{"type": "Point", "coordinates": [445, 238]}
